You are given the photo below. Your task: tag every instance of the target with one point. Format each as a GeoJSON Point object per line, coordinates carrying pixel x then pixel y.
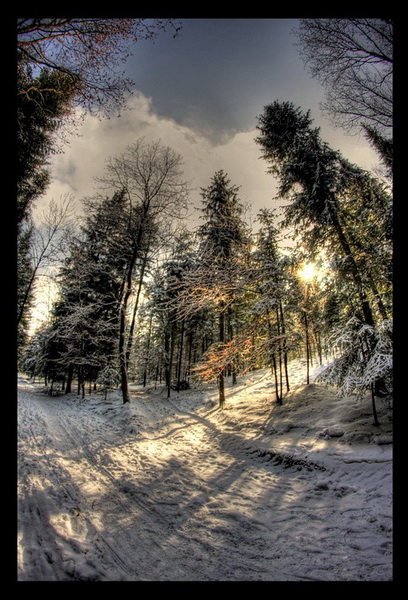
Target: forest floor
{"type": "Point", "coordinates": [177, 490]}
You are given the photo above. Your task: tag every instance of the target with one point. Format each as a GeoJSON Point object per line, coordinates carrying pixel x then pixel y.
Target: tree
{"type": "Point", "coordinates": [108, 379]}
{"type": "Point", "coordinates": [34, 358]}
{"type": "Point", "coordinates": [61, 63]}
{"type": "Point", "coordinates": [82, 320]}
{"type": "Point", "coordinates": [87, 52]}
{"type": "Point", "coordinates": [223, 239]}
{"type": "Point", "coordinates": [274, 300]}
{"type": "Point", "coordinates": [151, 179]}
{"type": "Point", "coordinates": [46, 244]}
{"type": "Point", "coordinates": [85, 315]}
{"type": "Point", "coordinates": [164, 291]}
{"type": "Point", "coordinates": [365, 362]}
{"type": "Point", "coordinates": [330, 200]}
{"type": "Point", "coordinates": [353, 58]}
{"type": "Point", "coordinates": [24, 289]}
{"type": "Point", "coordinates": [43, 103]}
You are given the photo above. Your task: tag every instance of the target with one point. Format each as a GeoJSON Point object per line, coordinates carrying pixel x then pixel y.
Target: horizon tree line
{"type": "Point", "coordinates": [235, 296]}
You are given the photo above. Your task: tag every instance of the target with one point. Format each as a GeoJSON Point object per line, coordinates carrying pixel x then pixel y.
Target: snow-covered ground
{"type": "Point", "coordinates": [177, 490]}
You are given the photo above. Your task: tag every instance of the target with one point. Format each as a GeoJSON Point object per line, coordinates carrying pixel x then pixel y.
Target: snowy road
{"type": "Point", "coordinates": [176, 490]}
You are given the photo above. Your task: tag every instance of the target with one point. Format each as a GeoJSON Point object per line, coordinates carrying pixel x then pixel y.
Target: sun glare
{"type": "Point", "coordinates": [308, 272]}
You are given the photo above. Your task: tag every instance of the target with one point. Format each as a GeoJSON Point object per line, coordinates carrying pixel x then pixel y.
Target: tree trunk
{"type": "Point", "coordinates": [69, 379]}
{"type": "Point", "coordinates": [381, 308]}
{"type": "Point", "coordinates": [125, 296]}
{"type": "Point", "coordinates": [190, 354]}
{"type": "Point", "coordinates": [285, 351]}
{"type": "Point", "coordinates": [169, 352]}
{"type": "Point", "coordinates": [147, 351]}
{"type": "Point", "coordinates": [221, 388]}
{"type": "Point", "coordinates": [139, 289]}
{"type": "Point", "coordinates": [274, 366]}
{"type": "Point", "coordinates": [231, 336]}
{"type": "Point", "coordinates": [307, 346]}
{"type": "Point", "coordinates": [122, 354]}
{"type": "Point", "coordinates": [376, 422]}
{"type": "Point", "coordinates": [221, 385]}
{"type": "Point", "coordinates": [171, 358]}
{"type": "Point", "coordinates": [278, 325]}
{"type": "Point", "coordinates": [180, 358]}
{"type": "Point", "coordinates": [365, 305]}
{"type": "Point", "coordinates": [275, 372]}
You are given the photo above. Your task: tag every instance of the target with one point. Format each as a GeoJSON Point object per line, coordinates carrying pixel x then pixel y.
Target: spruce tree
{"type": "Point", "coordinates": [324, 189]}
{"type": "Point", "coordinates": [273, 283]}
{"type": "Point", "coordinates": [223, 239]}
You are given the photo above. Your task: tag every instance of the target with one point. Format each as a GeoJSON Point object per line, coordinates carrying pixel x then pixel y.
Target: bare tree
{"type": "Point", "coordinates": [89, 51]}
{"type": "Point", "coordinates": [47, 244]}
{"type": "Point", "coordinates": [151, 176]}
{"type": "Point", "coordinates": [353, 59]}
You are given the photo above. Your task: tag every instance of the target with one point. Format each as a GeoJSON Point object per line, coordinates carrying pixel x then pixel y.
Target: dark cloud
{"type": "Point", "coordinates": [217, 76]}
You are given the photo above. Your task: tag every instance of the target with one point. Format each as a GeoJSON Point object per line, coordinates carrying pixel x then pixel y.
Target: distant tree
{"type": "Point", "coordinates": [274, 299]}
{"type": "Point", "coordinates": [79, 321]}
{"type": "Point", "coordinates": [108, 379]}
{"type": "Point", "coordinates": [34, 356]}
{"type": "Point", "coordinates": [46, 245]}
{"type": "Point", "coordinates": [167, 283]}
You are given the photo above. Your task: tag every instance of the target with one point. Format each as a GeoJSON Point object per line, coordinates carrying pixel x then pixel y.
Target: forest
{"type": "Point", "coordinates": [144, 297]}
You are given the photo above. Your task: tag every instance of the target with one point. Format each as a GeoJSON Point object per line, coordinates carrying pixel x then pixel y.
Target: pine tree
{"type": "Point", "coordinates": [85, 316]}
{"type": "Point", "coordinates": [323, 187]}
{"type": "Point", "coordinates": [365, 361]}
{"type": "Point", "coordinates": [43, 103]}
{"type": "Point", "coordinates": [224, 237]}
{"type": "Point", "coordinates": [274, 298]}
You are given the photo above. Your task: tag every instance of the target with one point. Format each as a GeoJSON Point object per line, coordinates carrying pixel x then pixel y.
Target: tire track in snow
{"type": "Point", "coordinates": [196, 494]}
{"type": "Point", "coordinates": [125, 498]}
{"type": "Point", "coordinates": [38, 531]}
{"type": "Point", "coordinates": [196, 497]}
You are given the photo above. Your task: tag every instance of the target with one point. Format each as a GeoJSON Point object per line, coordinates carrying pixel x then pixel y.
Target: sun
{"type": "Point", "coordinates": [308, 272]}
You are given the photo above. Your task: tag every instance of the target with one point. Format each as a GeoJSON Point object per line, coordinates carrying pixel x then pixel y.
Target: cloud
{"type": "Point", "coordinates": [75, 170]}
{"type": "Point", "coordinates": [83, 159]}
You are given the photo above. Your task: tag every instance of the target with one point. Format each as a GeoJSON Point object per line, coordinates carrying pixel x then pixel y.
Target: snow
{"type": "Point", "coordinates": [177, 490]}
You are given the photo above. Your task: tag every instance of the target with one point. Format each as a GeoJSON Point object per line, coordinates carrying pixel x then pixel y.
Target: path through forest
{"type": "Point", "coordinates": [177, 490]}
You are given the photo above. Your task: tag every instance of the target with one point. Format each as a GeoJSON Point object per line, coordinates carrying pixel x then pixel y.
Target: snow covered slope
{"type": "Point", "coordinates": [177, 490]}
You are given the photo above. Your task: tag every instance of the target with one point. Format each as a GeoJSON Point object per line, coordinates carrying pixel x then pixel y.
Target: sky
{"type": "Point", "coordinates": [201, 93]}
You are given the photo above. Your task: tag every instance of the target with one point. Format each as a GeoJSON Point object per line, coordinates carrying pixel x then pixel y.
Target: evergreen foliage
{"type": "Point", "coordinates": [327, 194]}
{"type": "Point", "coordinates": [141, 299]}
{"type": "Point", "coordinates": [42, 105]}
